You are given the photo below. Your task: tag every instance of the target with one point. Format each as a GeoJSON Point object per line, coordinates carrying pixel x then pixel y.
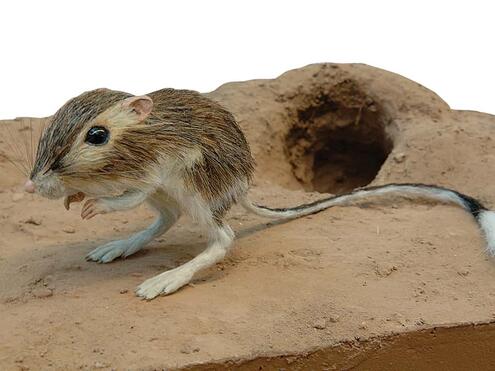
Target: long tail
{"type": "Point", "coordinates": [484, 217]}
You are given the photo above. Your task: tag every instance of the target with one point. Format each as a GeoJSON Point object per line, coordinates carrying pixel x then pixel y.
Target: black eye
{"type": "Point", "coordinates": [97, 135]}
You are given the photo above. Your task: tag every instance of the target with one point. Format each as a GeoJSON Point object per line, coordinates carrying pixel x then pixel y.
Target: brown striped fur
{"type": "Point", "coordinates": [184, 128]}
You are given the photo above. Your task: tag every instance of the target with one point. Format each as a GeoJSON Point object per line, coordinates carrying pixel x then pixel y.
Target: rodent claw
{"type": "Point", "coordinates": [76, 197]}
{"type": "Point", "coordinates": [91, 208]}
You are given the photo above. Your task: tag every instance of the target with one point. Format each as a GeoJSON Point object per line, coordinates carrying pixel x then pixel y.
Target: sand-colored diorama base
{"type": "Point", "coordinates": [386, 284]}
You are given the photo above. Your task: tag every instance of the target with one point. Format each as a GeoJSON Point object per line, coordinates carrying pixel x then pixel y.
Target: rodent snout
{"type": "Point", "coordinates": [29, 186]}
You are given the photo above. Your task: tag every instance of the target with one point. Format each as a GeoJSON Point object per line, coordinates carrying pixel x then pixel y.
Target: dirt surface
{"type": "Point", "coordinates": [387, 284]}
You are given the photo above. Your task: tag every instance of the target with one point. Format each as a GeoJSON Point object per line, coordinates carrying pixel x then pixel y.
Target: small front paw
{"type": "Point", "coordinates": [94, 207]}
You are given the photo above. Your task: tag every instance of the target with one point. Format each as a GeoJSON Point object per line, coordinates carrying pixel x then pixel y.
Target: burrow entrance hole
{"type": "Point", "coordinates": [338, 140]}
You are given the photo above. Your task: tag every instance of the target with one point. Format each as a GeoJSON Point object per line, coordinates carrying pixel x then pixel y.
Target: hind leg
{"type": "Point", "coordinates": [168, 214]}
{"type": "Point", "coordinates": [221, 237]}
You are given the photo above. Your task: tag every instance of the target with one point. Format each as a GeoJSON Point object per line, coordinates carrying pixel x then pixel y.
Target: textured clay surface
{"type": "Point", "coordinates": [388, 284]}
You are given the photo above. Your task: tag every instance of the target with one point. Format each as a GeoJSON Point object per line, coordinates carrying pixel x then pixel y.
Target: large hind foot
{"type": "Point", "coordinates": [172, 280]}
{"type": "Point", "coordinates": [165, 283]}
{"type": "Point", "coordinates": [113, 250]}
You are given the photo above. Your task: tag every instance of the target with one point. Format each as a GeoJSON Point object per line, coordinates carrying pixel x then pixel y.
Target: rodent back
{"type": "Point", "coordinates": [186, 123]}
{"type": "Point", "coordinates": [181, 124]}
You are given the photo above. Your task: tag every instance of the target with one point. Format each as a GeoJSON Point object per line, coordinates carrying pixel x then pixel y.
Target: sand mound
{"type": "Point", "coordinates": [392, 285]}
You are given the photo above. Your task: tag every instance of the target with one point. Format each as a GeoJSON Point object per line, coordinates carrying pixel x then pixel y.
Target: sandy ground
{"type": "Point", "coordinates": [387, 284]}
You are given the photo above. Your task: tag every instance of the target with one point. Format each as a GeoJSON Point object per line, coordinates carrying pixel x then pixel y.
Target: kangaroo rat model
{"type": "Point", "coordinates": [179, 152]}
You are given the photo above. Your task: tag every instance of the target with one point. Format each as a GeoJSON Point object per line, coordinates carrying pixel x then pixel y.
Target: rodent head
{"type": "Point", "coordinates": [84, 147]}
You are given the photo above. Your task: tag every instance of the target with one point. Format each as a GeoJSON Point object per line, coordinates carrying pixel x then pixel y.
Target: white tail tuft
{"type": "Point", "coordinates": [486, 219]}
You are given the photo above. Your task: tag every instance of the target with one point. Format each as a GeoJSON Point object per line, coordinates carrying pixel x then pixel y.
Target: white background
{"type": "Point", "coordinates": [53, 50]}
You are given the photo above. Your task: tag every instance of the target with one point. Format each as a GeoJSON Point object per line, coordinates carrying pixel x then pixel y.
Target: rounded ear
{"type": "Point", "coordinates": [141, 106]}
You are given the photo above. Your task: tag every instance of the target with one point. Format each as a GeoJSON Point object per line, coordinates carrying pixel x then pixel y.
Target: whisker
{"type": "Point", "coordinates": [11, 160]}
{"type": "Point", "coordinates": [17, 157]}
{"type": "Point", "coordinates": [20, 147]}
{"type": "Point", "coordinates": [16, 166]}
{"type": "Point", "coordinates": [23, 140]}
{"type": "Point", "coordinates": [29, 142]}
{"type": "Point", "coordinates": [31, 157]}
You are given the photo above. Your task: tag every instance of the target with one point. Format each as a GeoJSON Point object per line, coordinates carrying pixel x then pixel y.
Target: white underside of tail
{"type": "Point", "coordinates": [442, 195]}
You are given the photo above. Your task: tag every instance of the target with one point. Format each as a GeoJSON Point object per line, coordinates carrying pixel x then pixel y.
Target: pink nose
{"type": "Point", "coordinates": [29, 187]}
